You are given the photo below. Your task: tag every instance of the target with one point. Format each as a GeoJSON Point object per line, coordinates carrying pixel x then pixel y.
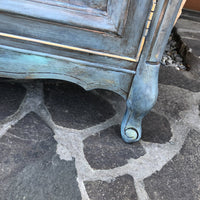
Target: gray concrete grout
{"type": "Point", "coordinates": [70, 144]}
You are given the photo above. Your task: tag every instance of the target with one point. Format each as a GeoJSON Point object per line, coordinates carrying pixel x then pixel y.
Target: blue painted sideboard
{"type": "Point", "coordinates": [108, 44]}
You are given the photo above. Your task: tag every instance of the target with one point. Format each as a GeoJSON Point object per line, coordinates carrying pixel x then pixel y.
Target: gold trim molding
{"type": "Point", "coordinates": [87, 50]}
{"type": "Point", "coordinates": [66, 46]}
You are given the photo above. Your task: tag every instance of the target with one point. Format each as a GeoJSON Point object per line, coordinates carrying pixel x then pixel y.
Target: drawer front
{"type": "Point", "coordinates": [111, 28]}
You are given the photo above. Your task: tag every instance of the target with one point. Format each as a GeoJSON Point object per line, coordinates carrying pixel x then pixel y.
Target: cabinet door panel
{"type": "Point", "coordinates": [109, 27]}
{"type": "Point", "coordinates": [96, 4]}
{"type": "Point", "coordinates": [81, 13]}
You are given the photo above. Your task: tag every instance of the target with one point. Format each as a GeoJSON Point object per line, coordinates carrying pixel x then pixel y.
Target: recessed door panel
{"type": "Point", "coordinates": [112, 28]}
{"type": "Point", "coordinates": [96, 4]}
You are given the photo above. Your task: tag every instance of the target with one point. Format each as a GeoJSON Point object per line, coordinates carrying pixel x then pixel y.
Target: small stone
{"type": "Point", "coordinates": [169, 62]}
{"type": "Point", "coordinates": [169, 53]}
{"type": "Point", "coordinates": [178, 59]}
{"type": "Point", "coordinates": [167, 47]}
{"type": "Point", "coordinates": [182, 67]}
{"type": "Point", "coordinates": [173, 43]}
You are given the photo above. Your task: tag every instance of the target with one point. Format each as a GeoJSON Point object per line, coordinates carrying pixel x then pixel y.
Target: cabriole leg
{"type": "Point", "coordinates": [142, 97]}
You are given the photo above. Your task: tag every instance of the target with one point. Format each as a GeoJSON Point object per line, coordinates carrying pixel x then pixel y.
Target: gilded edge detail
{"type": "Point", "coordinates": [146, 30]}
{"type": "Point", "coordinates": [141, 45]}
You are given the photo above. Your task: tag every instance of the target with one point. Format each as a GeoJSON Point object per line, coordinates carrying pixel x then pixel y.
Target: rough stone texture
{"type": "Point", "coordinates": [156, 128]}
{"type": "Point", "coordinates": [189, 32]}
{"type": "Point", "coordinates": [180, 178]}
{"type": "Point", "coordinates": [107, 150]}
{"type": "Point", "coordinates": [120, 189]}
{"type": "Point", "coordinates": [73, 107]}
{"type": "Point", "coordinates": [171, 102]}
{"type": "Point", "coordinates": [190, 15]}
{"type": "Point", "coordinates": [171, 76]}
{"type": "Point", "coordinates": [30, 168]}
{"type": "Point", "coordinates": [193, 43]}
{"type": "Point", "coordinates": [11, 96]}
{"type": "Point", "coordinates": [189, 41]}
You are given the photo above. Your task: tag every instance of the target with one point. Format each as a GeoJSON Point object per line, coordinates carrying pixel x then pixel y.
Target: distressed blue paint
{"type": "Point", "coordinates": [120, 36]}
{"type": "Point", "coordinates": [25, 58]}
{"type": "Point", "coordinates": [166, 26]}
{"type": "Point", "coordinates": [144, 89]}
{"type": "Point", "coordinates": [141, 99]}
{"type": "Point", "coordinates": [13, 64]}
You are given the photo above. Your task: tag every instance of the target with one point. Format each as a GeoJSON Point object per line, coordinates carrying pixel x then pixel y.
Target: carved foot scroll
{"type": "Point", "coordinates": [142, 97]}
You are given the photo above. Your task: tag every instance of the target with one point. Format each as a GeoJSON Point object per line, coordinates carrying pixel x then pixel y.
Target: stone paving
{"type": "Point", "coordinates": [59, 142]}
{"type": "Point", "coordinates": [188, 31]}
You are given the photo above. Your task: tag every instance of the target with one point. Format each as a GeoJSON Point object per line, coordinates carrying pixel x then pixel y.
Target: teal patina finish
{"type": "Point", "coordinates": [115, 45]}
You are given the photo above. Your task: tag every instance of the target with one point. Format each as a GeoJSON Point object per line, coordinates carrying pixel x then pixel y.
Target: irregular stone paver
{"type": "Point", "coordinates": [10, 98]}
{"type": "Point", "coordinates": [193, 42]}
{"type": "Point", "coordinates": [180, 178]}
{"type": "Point", "coordinates": [189, 32]}
{"type": "Point", "coordinates": [189, 41]}
{"type": "Point", "coordinates": [156, 128]}
{"type": "Point", "coordinates": [106, 150]}
{"type": "Point", "coordinates": [73, 107]}
{"type": "Point", "coordinates": [171, 76]}
{"type": "Point", "coordinates": [172, 101]}
{"type": "Point", "coordinates": [122, 188]}
{"type": "Point", "coordinates": [30, 168]}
